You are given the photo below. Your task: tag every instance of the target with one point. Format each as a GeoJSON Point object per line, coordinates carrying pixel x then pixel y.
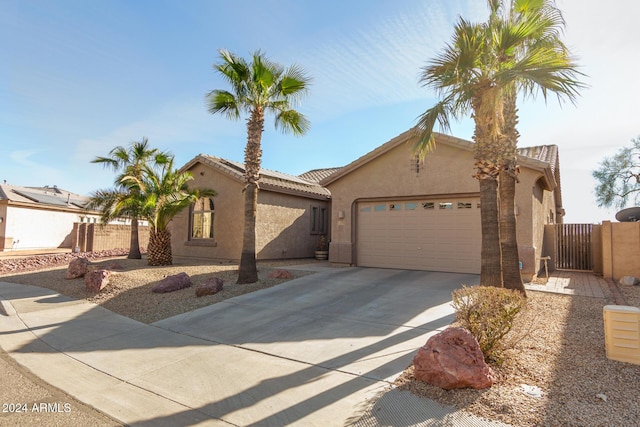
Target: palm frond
{"type": "Point", "coordinates": [261, 85]}
{"type": "Point", "coordinates": [292, 121]}
{"type": "Point", "coordinates": [220, 101]}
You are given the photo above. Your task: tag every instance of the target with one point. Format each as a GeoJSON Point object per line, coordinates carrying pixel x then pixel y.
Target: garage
{"type": "Point", "coordinates": [441, 234]}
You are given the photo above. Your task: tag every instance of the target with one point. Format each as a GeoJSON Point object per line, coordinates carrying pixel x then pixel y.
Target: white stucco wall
{"type": "Point", "coordinates": [38, 229]}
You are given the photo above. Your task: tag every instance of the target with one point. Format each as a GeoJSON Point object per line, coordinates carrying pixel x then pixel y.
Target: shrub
{"type": "Point", "coordinates": [488, 313]}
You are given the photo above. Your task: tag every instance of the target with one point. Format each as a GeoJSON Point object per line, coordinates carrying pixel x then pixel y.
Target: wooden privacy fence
{"type": "Point", "coordinates": [573, 246]}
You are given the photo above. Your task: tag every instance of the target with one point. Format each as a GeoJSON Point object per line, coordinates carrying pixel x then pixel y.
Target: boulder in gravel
{"type": "Point", "coordinates": [280, 274]}
{"type": "Point", "coordinates": [172, 283]}
{"type": "Point", "coordinates": [211, 286]}
{"type": "Point", "coordinates": [452, 359]}
{"type": "Point", "coordinates": [97, 280]}
{"type": "Point", "coordinates": [77, 268]}
{"type": "Point", "coordinates": [629, 281]}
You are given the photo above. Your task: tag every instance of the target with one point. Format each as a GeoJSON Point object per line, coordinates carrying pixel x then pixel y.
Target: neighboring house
{"type": "Point", "coordinates": [391, 210]}
{"type": "Point", "coordinates": [292, 214]}
{"type": "Point", "coordinates": [39, 217]}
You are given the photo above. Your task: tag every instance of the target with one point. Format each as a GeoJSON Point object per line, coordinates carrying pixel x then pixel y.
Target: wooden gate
{"type": "Point", "coordinates": [573, 246]}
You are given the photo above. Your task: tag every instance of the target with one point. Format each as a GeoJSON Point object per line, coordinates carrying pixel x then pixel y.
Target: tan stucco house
{"type": "Point", "coordinates": [39, 217]}
{"type": "Point", "coordinates": [385, 209]}
{"type": "Point", "coordinates": [293, 212]}
{"type": "Point", "coordinates": [391, 210]}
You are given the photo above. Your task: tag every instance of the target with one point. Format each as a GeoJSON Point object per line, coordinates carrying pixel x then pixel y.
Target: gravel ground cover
{"type": "Point", "coordinates": [563, 354]}
{"type": "Point", "coordinates": [562, 350]}
{"type": "Point", "coordinates": [129, 290]}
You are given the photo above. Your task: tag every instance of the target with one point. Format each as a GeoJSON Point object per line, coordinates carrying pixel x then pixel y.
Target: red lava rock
{"type": "Point", "coordinates": [211, 286]}
{"type": "Point", "coordinates": [77, 268]}
{"type": "Point", "coordinates": [97, 280]}
{"type": "Point", "coordinates": [280, 274]}
{"type": "Point", "coordinates": [172, 283]}
{"type": "Point", "coordinates": [452, 359]}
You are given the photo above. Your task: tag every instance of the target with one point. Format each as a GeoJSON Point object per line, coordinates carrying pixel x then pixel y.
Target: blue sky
{"type": "Point", "coordinates": [79, 77]}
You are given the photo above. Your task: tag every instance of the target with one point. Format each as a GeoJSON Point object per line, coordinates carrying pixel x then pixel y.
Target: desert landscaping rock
{"type": "Point", "coordinates": [629, 281]}
{"type": "Point", "coordinates": [211, 286]}
{"type": "Point", "coordinates": [452, 359]}
{"type": "Point", "coordinates": [172, 283]}
{"type": "Point", "coordinates": [97, 280]}
{"type": "Point", "coordinates": [77, 268]}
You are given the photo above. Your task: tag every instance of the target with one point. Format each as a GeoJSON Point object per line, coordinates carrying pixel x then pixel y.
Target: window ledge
{"type": "Point", "coordinates": [201, 242]}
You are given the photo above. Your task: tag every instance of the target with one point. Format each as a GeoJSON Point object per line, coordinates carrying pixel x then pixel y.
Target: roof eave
{"type": "Point", "coordinates": [282, 190]}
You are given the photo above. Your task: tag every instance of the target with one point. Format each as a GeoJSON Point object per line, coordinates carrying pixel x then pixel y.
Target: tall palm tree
{"type": "Point", "coordinates": [123, 201]}
{"type": "Point", "coordinates": [480, 72]}
{"type": "Point", "coordinates": [162, 193]}
{"type": "Point", "coordinates": [528, 31]}
{"type": "Point", "coordinates": [257, 87]}
{"type": "Point", "coordinates": [464, 75]}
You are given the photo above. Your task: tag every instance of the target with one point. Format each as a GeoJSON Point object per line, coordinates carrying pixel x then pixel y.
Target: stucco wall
{"type": "Point", "coordinates": [282, 229]}
{"type": "Point", "coordinates": [620, 247]}
{"type": "Point", "coordinates": [534, 207]}
{"type": "Point", "coordinates": [447, 170]}
{"type": "Point", "coordinates": [227, 220]}
{"type": "Point", "coordinates": [5, 241]}
{"type": "Point", "coordinates": [29, 228]}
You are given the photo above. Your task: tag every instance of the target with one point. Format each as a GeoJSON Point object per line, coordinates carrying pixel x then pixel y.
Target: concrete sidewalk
{"type": "Point", "coordinates": [320, 350]}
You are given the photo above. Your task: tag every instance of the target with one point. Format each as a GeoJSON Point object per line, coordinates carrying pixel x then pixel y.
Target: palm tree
{"type": "Point", "coordinates": [257, 88]}
{"type": "Point", "coordinates": [123, 201]}
{"type": "Point", "coordinates": [529, 31]}
{"type": "Point", "coordinates": [162, 193]}
{"type": "Point", "coordinates": [464, 75]}
{"type": "Point", "coordinates": [480, 73]}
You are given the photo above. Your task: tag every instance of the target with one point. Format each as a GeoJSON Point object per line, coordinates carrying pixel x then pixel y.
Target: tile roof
{"type": "Point", "coordinates": [317, 175]}
{"type": "Point", "coordinates": [311, 183]}
{"type": "Point", "coordinates": [544, 153]}
{"type": "Point", "coordinates": [269, 180]}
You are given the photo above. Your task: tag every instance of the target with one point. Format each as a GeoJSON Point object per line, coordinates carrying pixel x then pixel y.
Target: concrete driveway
{"type": "Point", "coordinates": [313, 351]}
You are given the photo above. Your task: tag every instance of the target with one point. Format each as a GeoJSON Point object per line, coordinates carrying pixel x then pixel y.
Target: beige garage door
{"type": "Point", "coordinates": [435, 235]}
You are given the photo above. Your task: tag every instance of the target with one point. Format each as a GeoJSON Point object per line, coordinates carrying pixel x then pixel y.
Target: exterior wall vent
{"type": "Point", "coordinates": [622, 333]}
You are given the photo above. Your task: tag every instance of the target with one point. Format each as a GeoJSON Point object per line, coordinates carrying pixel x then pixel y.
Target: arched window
{"type": "Point", "coordinates": [202, 219]}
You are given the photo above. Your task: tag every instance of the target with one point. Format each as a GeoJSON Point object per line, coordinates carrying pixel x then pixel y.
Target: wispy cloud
{"type": "Point", "coordinates": [379, 64]}
{"type": "Point", "coordinates": [182, 127]}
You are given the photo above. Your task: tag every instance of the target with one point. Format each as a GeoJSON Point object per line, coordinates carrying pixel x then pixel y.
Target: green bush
{"type": "Point", "coordinates": [488, 313]}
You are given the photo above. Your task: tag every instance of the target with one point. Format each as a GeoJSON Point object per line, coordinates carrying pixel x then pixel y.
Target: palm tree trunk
{"type": "Point", "coordinates": [487, 155]}
{"type": "Point", "coordinates": [490, 268]}
{"type": "Point", "coordinates": [248, 270]}
{"type": "Point", "coordinates": [134, 244]}
{"type": "Point", "coordinates": [159, 251]}
{"type": "Point", "coordinates": [511, 277]}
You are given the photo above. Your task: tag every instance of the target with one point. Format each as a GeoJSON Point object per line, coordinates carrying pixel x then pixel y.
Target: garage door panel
{"type": "Point", "coordinates": [439, 235]}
